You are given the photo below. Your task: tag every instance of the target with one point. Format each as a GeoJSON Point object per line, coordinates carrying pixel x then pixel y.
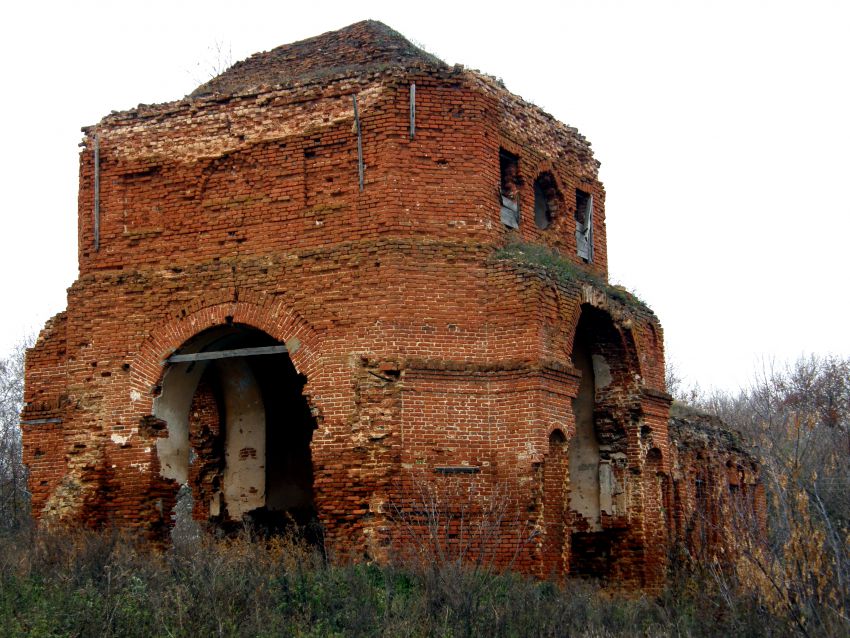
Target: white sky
{"type": "Point", "coordinates": [723, 129]}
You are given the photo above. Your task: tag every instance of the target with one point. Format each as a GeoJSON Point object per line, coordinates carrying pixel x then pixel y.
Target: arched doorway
{"type": "Point", "coordinates": [238, 430]}
{"type": "Point", "coordinates": [605, 408]}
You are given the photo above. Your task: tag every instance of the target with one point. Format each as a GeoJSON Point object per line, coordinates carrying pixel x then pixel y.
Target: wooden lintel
{"type": "Point", "coordinates": [225, 354]}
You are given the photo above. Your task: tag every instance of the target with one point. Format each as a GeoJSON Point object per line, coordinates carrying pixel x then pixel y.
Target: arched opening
{"type": "Point", "coordinates": [584, 451]}
{"type": "Point", "coordinates": [238, 430]}
{"type": "Point", "coordinates": [547, 200]}
{"type": "Point", "coordinates": [603, 409]}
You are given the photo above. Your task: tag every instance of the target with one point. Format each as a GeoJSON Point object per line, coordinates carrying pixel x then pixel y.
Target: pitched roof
{"type": "Point", "coordinates": [361, 47]}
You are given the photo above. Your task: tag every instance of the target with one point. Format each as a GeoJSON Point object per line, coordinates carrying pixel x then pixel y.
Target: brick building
{"type": "Point", "coordinates": [341, 271]}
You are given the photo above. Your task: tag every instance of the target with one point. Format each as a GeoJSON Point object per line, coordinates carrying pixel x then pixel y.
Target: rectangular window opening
{"type": "Point", "coordinates": [509, 188]}
{"type": "Point", "coordinates": [584, 225]}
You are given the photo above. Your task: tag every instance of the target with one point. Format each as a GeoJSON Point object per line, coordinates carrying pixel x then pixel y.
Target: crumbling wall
{"type": "Point", "coordinates": [206, 472]}
{"type": "Point", "coordinates": [715, 485]}
{"type": "Point", "coordinates": [368, 245]}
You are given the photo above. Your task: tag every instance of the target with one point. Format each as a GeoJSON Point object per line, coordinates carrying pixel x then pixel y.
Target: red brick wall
{"type": "Point", "coordinates": [421, 348]}
{"type": "Point", "coordinates": [207, 443]}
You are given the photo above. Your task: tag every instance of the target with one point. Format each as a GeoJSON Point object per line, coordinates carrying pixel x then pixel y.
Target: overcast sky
{"type": "Point", "coordinates": [723, 129]}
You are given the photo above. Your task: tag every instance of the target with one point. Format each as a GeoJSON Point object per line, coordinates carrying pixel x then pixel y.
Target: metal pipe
{"type": "Point", "coordinates": [359, 143]}
{"type": "Point", "coordinates": [96, 193]}
{"type": "Point", "coordinates": [412, 110]}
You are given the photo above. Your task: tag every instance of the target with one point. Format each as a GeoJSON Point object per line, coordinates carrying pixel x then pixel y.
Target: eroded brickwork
{"type": "Point", "coordinates": [430, 347]}
{"type": "Point", "coordinates": [713, 487]}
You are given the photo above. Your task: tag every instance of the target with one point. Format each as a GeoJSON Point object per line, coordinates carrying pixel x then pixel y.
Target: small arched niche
{"type": "Point", "coordinates": [557, 440]}
{"type": "Point", "coordinates": [547, 200]}
{"type": "Point", "coordinates": [238, 429]}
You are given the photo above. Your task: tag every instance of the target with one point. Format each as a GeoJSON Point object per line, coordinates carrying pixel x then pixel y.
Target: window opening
{"type": "Point", "coordinates": [509, 188]}
{"type": "Point", "coordinates": [546, 198]}
{"type": "Point", "coordinates": [584, 225]}
{"type": "Point", "coordinates": [542, 214]}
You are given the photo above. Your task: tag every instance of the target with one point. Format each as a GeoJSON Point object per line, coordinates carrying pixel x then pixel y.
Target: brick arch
{"type": "Point", "coordinates": [556, 431]}
{"type": "Point", "coordinates": [599, 300]}
{"type": "Point", "coordinates": [606, 534]}
{"type": "Point", "coordinates": [548, 167]}
{"type": "Point", "coordinates": [544, 166]}
{"type": "Point", "coordinates": [262, 312]}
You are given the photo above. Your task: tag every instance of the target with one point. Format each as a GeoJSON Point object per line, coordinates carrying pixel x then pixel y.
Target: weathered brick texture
{"type": "Point", "coordinates": [420, 353]}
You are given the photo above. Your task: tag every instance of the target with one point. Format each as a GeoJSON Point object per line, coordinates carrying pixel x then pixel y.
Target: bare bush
{"type": "Point", "coordinates": [14, 498]}
{"type": "Point", "coordinates": [798, 420]}
{"type": "Point", "coordinates": [459, 520]}
{"type": "Point", "coordinates": [458, 532]}
{"type": "Point", "coordinates": [678, 388]}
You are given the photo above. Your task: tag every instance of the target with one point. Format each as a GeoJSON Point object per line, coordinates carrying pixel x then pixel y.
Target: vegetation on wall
{"type": "Point", "coordinates": [566, 272]}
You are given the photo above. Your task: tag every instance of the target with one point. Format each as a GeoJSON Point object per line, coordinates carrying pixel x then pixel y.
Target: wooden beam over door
{"type": "Point", "coordinates": [225, 354]}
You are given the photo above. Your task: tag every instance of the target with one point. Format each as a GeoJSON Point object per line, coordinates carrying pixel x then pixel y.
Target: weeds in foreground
{"type": "Point", "coordinates": [86, 584]}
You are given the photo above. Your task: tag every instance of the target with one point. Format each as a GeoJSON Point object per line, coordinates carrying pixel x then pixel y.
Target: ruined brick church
{"type": "Point", "coordinates": [343, 267]}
